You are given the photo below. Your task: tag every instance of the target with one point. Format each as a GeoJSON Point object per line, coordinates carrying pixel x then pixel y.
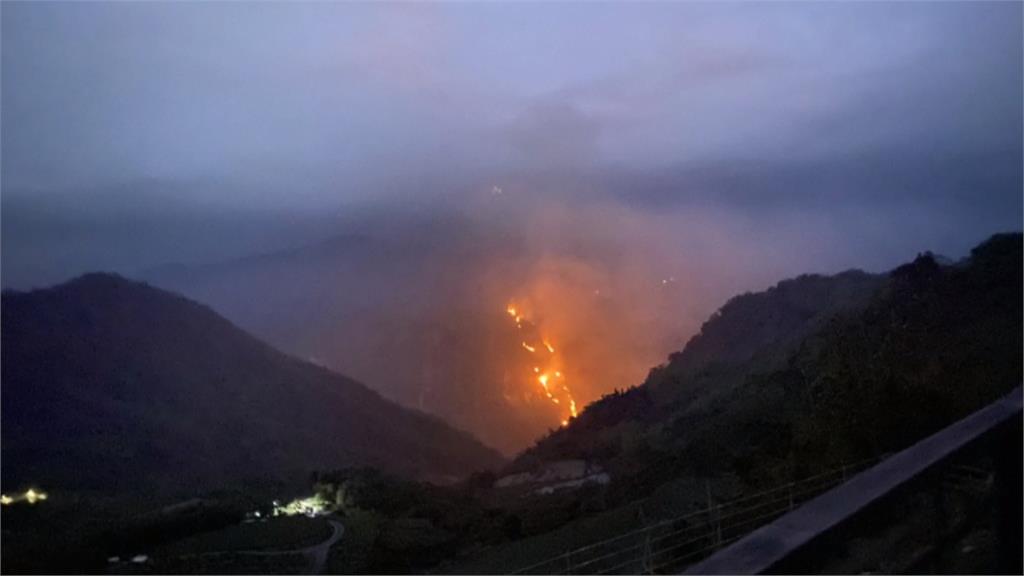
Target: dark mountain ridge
{"type": "Point", "coordinates": [750, 332]}
{"type": "Point", "coordinates": [812, 373]}
{"type": "Point", "coordinates": [117, 387]}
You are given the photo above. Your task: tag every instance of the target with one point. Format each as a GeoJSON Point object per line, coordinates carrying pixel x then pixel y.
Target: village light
{"type": "Point", "coordinates": [31, 496]}
{"type": "Point", "coordinates": [312, 506]}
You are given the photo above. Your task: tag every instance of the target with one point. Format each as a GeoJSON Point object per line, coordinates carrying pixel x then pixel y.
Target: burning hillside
{"type": "Point", "coordinates": [419, 312]}
{"type": "Point", "coordinates": [548, 369]}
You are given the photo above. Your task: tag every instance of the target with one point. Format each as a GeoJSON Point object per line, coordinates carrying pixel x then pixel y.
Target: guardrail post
{"type": "Point", "coordinates": [718, 526]}
{"type": "Point", "coordinates": [942, 528]}
{"type": "Point", "coordinates": [1009, 476]}
{"type": "Point", "coordinates": [646, 565]}
{"type": "Point", "coordinates": [714, 517]}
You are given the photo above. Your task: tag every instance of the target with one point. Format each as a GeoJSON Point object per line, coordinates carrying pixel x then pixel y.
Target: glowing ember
{"type": "Point", "coordinates": [551, 360]}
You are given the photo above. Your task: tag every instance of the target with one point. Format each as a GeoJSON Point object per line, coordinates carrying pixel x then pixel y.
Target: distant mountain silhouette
{"type": "Point", "coordinates": [814, 372]}
{"type": "Point", "coordinates": [356, 302]}
{"type": "Point", "coordinates": [117, 387]}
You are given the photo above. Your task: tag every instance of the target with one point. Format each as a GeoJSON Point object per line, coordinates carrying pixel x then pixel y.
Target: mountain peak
{"type": "Point", "coordinates": [111, 385]}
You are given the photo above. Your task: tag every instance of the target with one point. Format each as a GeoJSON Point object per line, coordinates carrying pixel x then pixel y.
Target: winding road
{"type": "Point", "coordinates": [318, 554]}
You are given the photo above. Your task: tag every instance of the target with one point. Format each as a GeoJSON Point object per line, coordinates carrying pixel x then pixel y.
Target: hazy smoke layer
{"type": "Point", "coordinates": [416, 305]}
{"type": "Point", "coordinates": [404, 172]}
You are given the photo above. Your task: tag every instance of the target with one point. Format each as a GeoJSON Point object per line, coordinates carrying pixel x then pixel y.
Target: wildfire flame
{"type": "Point", "coordinates": [550, 360]}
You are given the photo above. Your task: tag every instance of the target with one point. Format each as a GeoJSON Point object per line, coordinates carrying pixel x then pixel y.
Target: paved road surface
{"type": "Point", "coordinates": [318, 553]}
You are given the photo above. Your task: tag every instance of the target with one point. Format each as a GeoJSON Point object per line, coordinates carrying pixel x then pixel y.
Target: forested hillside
{"type": "Point", "coordinates": [813, 372]}
{"type": "Point", "coordinates": [119, 388]}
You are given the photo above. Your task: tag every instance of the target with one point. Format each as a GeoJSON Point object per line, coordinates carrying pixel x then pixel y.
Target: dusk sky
{"type": "Point", "coordinates": [511, 286]}
{"type": "Point", "coordinates": [899, 122]}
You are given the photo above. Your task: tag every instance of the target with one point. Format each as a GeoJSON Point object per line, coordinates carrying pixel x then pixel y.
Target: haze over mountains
{"type": "Point", "coordinates": [491, 280]}
{"type": "Point", "coordinates": [117, 388]}
{"type": "Point", "coordinates": [615, 290]}
{"type": "Point", "coordinates": [417, 309]}
{"type": "Point", "coordinates": [114, 388]}
{"type": "Point", "coordinates": [621, 170]}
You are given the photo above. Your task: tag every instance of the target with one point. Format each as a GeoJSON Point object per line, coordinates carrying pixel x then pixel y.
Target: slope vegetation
{"type": "Point", "coordinates": [117, 387]}
{"type": "Point", "coordinates": [812, 373]}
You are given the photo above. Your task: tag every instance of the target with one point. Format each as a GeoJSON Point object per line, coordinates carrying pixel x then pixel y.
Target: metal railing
{"type": "Point", "coordinates": [671, 543]}
{"type": "Point", "coordinates": [784, 544]}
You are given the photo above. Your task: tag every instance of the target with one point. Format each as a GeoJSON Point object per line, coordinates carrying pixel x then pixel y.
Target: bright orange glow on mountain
{"type": "Point", "coordinates": [552, 363]}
